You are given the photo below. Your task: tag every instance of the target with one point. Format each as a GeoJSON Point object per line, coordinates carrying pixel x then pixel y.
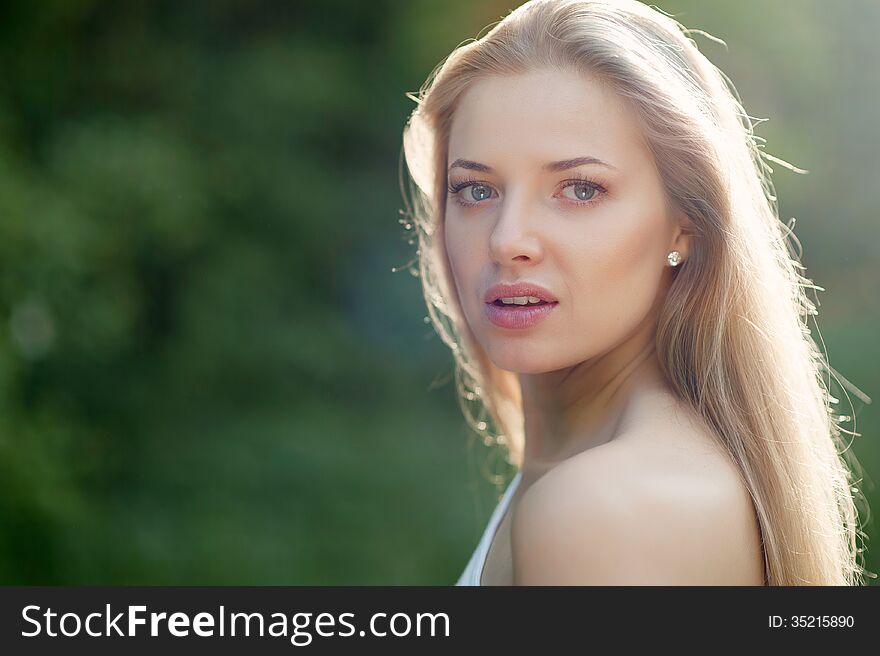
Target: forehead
{"type": "Point", "coordinates": [541, 116]}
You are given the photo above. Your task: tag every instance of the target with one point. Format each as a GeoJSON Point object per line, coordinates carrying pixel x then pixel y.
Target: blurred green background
{"type": "Point", "coordinates": [209, 373]}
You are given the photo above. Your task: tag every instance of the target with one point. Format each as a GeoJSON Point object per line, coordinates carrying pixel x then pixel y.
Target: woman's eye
{"type": "Point", "coordinates": [468, 194]}
{"type": "Point", "coordinates": [477, 192]}
{"type": "Point", "coordinates": [582, 191]}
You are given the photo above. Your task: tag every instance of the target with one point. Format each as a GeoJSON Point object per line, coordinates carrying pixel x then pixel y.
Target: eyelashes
{"type": "Point", "coordinates": [454, 188]}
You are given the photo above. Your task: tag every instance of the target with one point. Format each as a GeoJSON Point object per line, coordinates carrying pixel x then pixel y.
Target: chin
{"type": "Point", "coordinates": [518, 357]}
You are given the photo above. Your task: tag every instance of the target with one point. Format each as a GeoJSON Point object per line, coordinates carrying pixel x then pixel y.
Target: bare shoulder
{"type": "Point", "coordinates": [639, 510]}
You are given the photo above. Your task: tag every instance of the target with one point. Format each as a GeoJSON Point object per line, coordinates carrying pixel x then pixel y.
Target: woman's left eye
{"type": "Point", "coordinates": [583, 191]}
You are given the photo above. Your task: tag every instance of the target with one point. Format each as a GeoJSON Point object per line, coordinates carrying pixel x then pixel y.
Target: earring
{"type": "Point", "coordinates": [674, 258]}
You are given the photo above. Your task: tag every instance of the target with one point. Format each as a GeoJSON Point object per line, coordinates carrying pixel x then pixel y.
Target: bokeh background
{"type": "Point", "coordinates": [209, 373]}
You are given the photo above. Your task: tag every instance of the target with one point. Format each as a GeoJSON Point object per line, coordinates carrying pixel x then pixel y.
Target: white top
{"type": "Point", "coordinates": [473, 572]}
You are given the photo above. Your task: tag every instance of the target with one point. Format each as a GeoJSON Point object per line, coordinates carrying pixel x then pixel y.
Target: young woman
{"type": "Point", "coordinates": [600, 248]}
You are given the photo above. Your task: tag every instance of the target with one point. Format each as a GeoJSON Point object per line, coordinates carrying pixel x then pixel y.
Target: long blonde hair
{"type": "Point", "coordinates": [733, 336]}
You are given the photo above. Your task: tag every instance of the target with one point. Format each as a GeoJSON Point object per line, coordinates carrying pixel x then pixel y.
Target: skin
{"type": "Point", "coordinates": [621, 483]}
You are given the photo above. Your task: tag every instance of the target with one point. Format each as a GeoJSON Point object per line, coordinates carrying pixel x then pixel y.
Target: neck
{"type": "Point", "coordinates": [582, 406]}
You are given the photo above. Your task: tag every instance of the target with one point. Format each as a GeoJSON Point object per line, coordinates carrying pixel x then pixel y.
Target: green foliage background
{"type": "Point", "coordinates": [209, 373]}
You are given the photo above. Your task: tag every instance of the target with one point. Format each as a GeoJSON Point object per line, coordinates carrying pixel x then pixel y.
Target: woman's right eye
{"type": "Point", "coordinates": [473, 192]}
{"type": "Point", "coordinates": [478, 192]}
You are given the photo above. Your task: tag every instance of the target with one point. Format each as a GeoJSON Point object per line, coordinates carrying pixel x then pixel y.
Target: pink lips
{"type": "Point", "coordinates": [504, 289]}
{"type": "Point", "coordinates": [518, 316]}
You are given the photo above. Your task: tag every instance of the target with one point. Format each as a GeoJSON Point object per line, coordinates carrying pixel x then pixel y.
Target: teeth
{"type": "Point", "coordinates": [520, 300]}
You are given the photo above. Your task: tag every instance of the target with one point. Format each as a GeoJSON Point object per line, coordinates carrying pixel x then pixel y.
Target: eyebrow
{"type": "Point", "coordinates": [552, 167]}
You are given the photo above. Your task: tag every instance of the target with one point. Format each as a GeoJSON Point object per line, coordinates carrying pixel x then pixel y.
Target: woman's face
{"type": "Point", "coordinates": [593, 233]}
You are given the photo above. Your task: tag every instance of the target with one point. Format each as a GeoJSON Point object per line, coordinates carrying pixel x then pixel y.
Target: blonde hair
{"type": "Point", "coordinates": [733, 336]}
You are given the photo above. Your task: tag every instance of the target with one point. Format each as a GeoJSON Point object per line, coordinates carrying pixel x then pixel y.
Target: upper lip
{"type": "Point", "coordinates": [505, 290]}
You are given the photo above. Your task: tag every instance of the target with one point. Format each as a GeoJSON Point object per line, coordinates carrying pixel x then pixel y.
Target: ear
{"type": "Point", "coordinates": [683, 234]}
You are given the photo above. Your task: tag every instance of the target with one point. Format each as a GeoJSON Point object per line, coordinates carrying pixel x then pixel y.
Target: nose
{"type": "Point", "coordinates": [513, 238]}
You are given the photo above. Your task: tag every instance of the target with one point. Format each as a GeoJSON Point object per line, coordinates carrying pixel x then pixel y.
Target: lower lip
{"type": "Point", "coordinates": [518, 316]}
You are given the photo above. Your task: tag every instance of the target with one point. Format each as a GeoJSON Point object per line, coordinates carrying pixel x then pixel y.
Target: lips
{"type": "Point", "coordinates": [518, 317]}
{"type": "Point", "coordinates": [505, 290]}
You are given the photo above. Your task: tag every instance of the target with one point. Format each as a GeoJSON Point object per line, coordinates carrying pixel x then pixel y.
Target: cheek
{"type": "Point", "coordinates": [464, 263]}
{"type": "Point", "coordinates": [619, 270]}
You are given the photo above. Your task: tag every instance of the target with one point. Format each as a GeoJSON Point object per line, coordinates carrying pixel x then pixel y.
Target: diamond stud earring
{"type": "Point", "coordinates": [674, 258]}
